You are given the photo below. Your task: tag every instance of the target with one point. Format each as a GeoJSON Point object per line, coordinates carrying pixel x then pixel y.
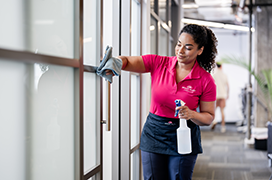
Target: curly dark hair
{"type": "Point", "coordinates": [203, 36]}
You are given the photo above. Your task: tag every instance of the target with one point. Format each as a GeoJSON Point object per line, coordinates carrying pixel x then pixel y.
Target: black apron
{"type": "Point", "coordinates": [159, 135]}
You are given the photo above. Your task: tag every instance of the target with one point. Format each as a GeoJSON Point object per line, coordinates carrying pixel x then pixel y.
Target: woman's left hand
{"type": "Point", "coordinates": [184, 112]}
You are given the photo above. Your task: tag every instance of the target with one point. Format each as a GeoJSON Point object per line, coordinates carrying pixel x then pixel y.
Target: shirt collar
{"type": "Point", "coordinates": [195, 72]}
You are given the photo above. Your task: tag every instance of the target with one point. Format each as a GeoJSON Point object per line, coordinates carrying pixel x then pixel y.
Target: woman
{"type": "Point", "coordinates": [185, 76]}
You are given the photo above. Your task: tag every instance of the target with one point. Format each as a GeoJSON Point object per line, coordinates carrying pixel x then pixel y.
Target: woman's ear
{"type": "Point", "coordinates": [200, 51]}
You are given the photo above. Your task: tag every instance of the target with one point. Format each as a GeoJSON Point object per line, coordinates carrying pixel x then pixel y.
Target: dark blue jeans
{"type": "Point", "coordinates": [167, 167]}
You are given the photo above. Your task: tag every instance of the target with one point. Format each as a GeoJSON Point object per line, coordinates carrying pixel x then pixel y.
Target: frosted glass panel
{"type": "Point", "coordinates": [13, 118]}
{"type": "Point", "coordinates": [91, 31]}
{"type": "Point", "coordinates": [135, 165]}
{"type": "Point", "coordinates": [135, 50]}
{"type": "Point", "coordinates": [13, 30]}
{"type": "Point", "coordinates": [135, 28]}
{"type": "Point", "coordinates": [42, 27]}
{"type": "Point", "coordinates": [135, 110]}
{"type": "Point", "coordinates": [91, 56]}
{"type": "Point", "coordinates": [91, 123]}
{"type": "Point", "coordinates": [51, 125]}
{"type": "Point", "coordinates": [37, 121]}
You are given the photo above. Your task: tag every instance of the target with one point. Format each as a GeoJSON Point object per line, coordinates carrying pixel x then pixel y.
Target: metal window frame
{"type": "Point", "coordinates": [136, 147]}
{"type": "Point", "coordinates": [79, 69]}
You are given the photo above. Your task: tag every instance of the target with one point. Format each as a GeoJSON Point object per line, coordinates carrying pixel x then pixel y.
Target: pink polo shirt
{"type": "Point", "coordinates": [197, 86]}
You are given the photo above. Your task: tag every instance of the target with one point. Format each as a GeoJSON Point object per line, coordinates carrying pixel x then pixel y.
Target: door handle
{"type": "Point", "coordinates": [108, 119]}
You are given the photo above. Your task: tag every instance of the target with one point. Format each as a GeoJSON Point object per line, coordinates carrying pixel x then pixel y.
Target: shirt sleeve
{"type": "Point", "coordinates": [209, 91]}
{"type": "Point", "coordinates": [149, 62]}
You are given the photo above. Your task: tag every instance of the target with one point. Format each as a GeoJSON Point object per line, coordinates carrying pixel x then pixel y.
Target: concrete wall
{"type": "Point", "coordinates": [263, 52]}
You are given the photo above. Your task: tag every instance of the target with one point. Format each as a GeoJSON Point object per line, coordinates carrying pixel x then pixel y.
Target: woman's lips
{"type": "Point", "coordinates": [181, 57]}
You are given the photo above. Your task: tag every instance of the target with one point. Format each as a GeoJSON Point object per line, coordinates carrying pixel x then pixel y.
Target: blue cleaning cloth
{"type": "Point", "coordinates": [109, 63]}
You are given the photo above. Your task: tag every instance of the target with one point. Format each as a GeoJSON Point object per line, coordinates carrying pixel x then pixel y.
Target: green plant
{"type": "Point", "coordinates": [244, 64]}
{"type": "Point", "coordinates": [264, 79]}
{"type": "Point", "coordinates": [267, 73]}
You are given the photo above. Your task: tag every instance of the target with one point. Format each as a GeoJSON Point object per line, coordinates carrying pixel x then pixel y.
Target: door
{"type": "Point", "coordinates": [53, 105]}
{"type": "Point", "coordinates": [92, 99]}
{"type": "Point", "coordinates": [50, 95]}
{"type": "Point", "coordinates": [130, 126]}
{"type": "Point", "coordinates": [101, 99]}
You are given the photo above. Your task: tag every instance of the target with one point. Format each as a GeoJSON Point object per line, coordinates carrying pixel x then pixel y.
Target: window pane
{"type": "Point", "coordinates": [135, 165]}
{"type": "Point", "coordinates": [135, 110]}
{"type": "Point", "coordinates": [42, 27]}
{"type": "Point", "coordinates": [91, 31]}
{"type": "Point", "coordinates": [91, 123]}
{"type": "Point", "coordinates": [163, 45]}
{"type": "Point", "coordinates": [152, 5]}
{"type": "Point", "coordinates": [38, 140]}
{"type": "Point", "coordinates": [135, 29]}
{"type": "Point", "coordinates": [163, 10]}
{"type": "Point", "coordinates": [95, 177]}
{"type": "Point", "coordinates": [91, 57]}
{"type": "Point", "coordinates": [13, 130]}
{"type": "Point", "coordinates": [153, 35]}
{"type": "Point", "coordinates": [52, 122]}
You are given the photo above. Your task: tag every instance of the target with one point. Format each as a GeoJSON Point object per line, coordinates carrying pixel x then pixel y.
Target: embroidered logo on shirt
{"type": "Point", "coordinates": [170, 123]}
{"type": "Point", "coordinates": [189, 89]}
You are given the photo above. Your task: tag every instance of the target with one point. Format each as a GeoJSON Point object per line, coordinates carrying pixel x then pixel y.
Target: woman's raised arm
{"type": "Point", "coordinates": [133, 63]}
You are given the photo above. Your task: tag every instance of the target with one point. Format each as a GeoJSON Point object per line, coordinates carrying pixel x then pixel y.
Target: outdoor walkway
{"type": "Point", "coordinates": [226, 158]}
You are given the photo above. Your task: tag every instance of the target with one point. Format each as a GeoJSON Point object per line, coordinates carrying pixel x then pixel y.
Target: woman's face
{"type": "Point", "coordinates": [186, 49]}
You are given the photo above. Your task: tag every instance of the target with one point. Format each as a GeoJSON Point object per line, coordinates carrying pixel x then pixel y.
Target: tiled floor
{"type": "Point", "coordinates": [225, 157]}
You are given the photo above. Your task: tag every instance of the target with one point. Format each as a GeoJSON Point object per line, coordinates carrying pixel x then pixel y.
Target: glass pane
{"type": "Point", "coordinates": [153, 35]}
{"type": "Point", "coordinates": [50, 121]}
{"type": "Point", "coordinates": [163, 10]}
{"type": "Point", "coordinates": [135, 165]}
{"type": "Point", "coordinates": [91, 31]}
{"type": "Point", "coordinates": [152, 5]}
{"type": "Point", "coordinates": [135, 29]}
{"type": "Point", "coordinates": [163, 48]}
{"type": "Point", "coordinates": [135, 110]}
{"type": "Point", "coordinates": [91, 94]}
{"type": "Point", "coordinates": [13, 130]}
{"type": "Point", "coordinates": [95, 177]}
{"type": "Point", "coordinates": [92, 178]}
{"type": "Point", "coordinates": [91, 123]}
{"type": "Point", "coordinates": [43, 27]}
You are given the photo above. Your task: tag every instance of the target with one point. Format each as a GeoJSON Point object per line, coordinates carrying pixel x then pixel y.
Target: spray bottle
{"type": "Point", "coordinates": [183, 133]}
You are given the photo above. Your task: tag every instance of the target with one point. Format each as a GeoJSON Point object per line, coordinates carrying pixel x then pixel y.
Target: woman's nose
{"type": "Point", "coordinates": [181, 50]}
